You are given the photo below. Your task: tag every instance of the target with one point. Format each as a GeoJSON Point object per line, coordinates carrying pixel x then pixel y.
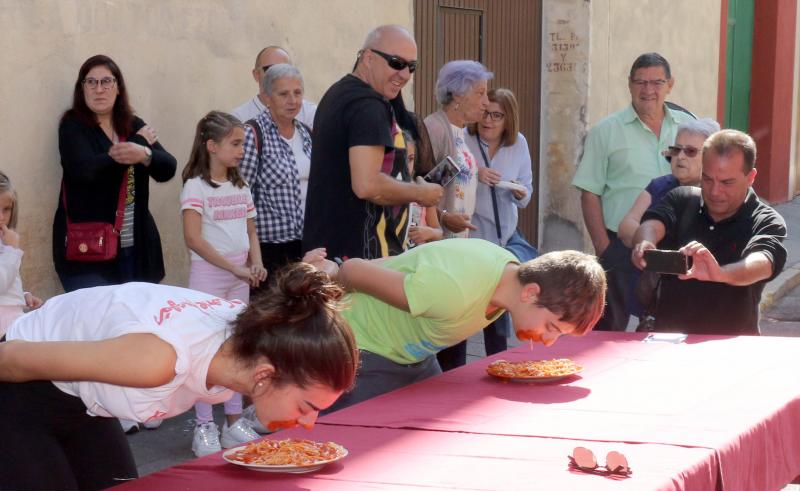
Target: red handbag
{"type": "Point", "coordinates": [91, 242]}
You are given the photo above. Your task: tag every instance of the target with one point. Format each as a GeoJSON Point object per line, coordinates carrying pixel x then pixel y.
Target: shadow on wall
{"type": "Point", "coordinates": [559, 234]}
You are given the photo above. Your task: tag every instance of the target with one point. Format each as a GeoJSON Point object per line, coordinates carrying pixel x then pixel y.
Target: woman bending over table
{"type": "Point", "coordinates": [143, 351]}
{"type": "Point", "coordinates": [404, 309]}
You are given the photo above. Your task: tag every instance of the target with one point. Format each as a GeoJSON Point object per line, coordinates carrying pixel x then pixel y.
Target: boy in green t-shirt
{"type": "Point", "coordinates": [404, 309]}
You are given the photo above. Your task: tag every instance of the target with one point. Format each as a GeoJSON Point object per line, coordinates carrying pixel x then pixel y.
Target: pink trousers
{"type": "Point", "coordinates": [207, 278]}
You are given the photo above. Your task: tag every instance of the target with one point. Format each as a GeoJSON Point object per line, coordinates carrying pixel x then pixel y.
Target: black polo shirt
{"type": "Point", "coordinates": [706, 307]}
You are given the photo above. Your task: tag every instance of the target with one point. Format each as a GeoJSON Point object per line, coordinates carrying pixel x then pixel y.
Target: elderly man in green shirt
{"type": "Point", "coordinates": [622, 153]}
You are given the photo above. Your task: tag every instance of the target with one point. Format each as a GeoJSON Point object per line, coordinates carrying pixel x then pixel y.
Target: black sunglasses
{"type": "Point", "coordinates": [266, 67]}
{"type": "Point", "coordinates": [675, 150]}
{"type": "Point", "coordinates": [395, 62]}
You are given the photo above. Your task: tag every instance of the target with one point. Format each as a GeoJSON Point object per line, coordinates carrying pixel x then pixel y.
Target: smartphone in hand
{"type": "Point", "coordinates": [667, 262]}
{"type": "Point", "coordinates": [444, 172]}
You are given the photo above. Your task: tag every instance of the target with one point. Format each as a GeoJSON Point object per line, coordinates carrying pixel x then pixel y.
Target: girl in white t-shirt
{"type": "Point", "coordinates": [219, 229]}
{"type": "Point", "coordinates": [142, 351]}
{"type": "Point", "coordinates": [13, 300]}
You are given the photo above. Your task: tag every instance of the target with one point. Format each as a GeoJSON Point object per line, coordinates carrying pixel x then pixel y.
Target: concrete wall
{"type": "Point", "coordinates": [180, 59]}
{"type": "Point", "coordinates": [600, 40]}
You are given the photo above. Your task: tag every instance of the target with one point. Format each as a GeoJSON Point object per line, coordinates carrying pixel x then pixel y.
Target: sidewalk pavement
{"type": "Point", "coordinates": [790, 277]}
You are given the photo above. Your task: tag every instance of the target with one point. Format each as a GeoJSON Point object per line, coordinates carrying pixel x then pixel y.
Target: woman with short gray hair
{"type": "Point", "coordinates": [461, 90]}
{"type": "Point", "coordinates": [276, 165]}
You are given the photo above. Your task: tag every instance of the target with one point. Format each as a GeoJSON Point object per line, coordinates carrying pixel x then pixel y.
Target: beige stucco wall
{"type": "Point", "coordinates": [180, 59]}
{"type": "Point", "coordinates": [686, 32]}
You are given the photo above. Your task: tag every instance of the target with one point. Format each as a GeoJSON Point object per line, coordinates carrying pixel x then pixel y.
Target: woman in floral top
{"type": "Point", "coordinates": [461, 92]}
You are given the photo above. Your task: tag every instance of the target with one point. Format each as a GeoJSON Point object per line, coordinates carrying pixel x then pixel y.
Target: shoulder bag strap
{"type": "Point", "coordinates": [493, 191]}
{"type": "Point", "coordinates": [120, 213]}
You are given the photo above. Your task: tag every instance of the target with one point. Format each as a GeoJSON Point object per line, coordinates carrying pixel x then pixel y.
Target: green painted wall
{"type": "Point", "coordinates": [739, 61]}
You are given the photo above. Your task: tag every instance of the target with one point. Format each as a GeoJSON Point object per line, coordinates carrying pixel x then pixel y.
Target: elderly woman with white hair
{"type": "Point", "coordinates": [686, 159]}
{"type": "Point", "coordinates": [461, 92]}
{"type": "Point", "coordinates": [276, 165]}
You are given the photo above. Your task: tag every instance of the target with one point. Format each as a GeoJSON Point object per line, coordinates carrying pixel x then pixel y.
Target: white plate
{"type": "Point", "coordinates": [536, 380]}
{"type": "Point", "coordinates": [513, 186]}
{"type": "Point", "coordinates": [291, 469]}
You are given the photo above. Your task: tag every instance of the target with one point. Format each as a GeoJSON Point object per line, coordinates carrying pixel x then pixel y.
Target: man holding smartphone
{"type": "Point", "coordinates": [732, 238]}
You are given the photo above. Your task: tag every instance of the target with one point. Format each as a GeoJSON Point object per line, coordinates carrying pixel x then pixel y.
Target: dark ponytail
{"type": "Point", "coordinates": [297, 326]}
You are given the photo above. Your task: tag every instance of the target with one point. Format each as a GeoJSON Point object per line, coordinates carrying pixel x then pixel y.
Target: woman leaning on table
{"type": "Point", "coordinates": [509, 161]}
{"type": "Point", "coordinates": [70, 367]}
{"type": "Point", "coordinates": [461, 92]}
{"type": "Point", "coordinates": [103, 147]}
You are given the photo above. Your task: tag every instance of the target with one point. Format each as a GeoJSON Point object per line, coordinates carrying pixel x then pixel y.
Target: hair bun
{"type": "Point", "coordinates": [305, 289]}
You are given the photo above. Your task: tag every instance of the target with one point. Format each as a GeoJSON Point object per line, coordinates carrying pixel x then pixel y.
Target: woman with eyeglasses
{"type": "Point", "coordinates": [686, 160]}
{"type": "Point", "coordinates": [461, 88]}
{"type": "Point", "coordinates": [509, 162]}
{"type": "Point", "coordinates": [108, 153]}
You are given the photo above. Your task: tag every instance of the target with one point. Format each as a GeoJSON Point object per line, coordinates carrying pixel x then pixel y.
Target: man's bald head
{"type": "Point", "coordinates": [387, 35]}
{"type": "Point", "coordinates": [271, 55]}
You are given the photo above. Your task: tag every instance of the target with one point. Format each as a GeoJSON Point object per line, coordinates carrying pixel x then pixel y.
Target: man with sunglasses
{"type": "Point", "coordinates": [733, 239]}
{"type": "Point", "coordinates": [271, 55]}
{"type": "Point", "coordinates": [359, 186]}
{"type": "Point", "coordinates": [621, 155]}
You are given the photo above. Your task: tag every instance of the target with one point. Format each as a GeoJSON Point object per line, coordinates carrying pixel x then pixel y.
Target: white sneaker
{"type": "Point", "coordinates": [152, 424]}
{"type": "Point", "coordinates": [206, 439]}
{"type": "Point", "coordinates": [129, 426]}
{"type": "Point", "coordinates": [249, 413]}
{"type": "Point", "coordinates": [238, 433]}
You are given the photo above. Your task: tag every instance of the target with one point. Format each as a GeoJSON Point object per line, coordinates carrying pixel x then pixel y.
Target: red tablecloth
{"type": "Point", "coordinates": [737, 395]}
{"type": "Point", "coordinates": [685, 415]}
{"type": "Point", "coordinates": [392, 459]}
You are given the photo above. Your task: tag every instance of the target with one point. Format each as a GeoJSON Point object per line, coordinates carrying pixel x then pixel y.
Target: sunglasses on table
{"type": "Point", "coordinates": [582, 459]}
{"type": "Point", "coordinates": [395, 62]}
{"type": "Point", "coordinates": [675, 150]}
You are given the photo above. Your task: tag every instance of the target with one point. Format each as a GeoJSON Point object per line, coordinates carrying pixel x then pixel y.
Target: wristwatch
{"type": "Point", "coordinates": [149, 157]}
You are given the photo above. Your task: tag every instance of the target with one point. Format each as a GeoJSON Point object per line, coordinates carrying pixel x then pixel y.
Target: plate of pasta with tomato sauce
{"type": "Point", "coordinates": [292, 455]}
{"type": "Point", "coordinates": [533, 371]}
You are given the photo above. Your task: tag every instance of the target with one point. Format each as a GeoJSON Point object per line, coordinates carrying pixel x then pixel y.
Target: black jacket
{"type": "Point", "coordinates": [92, 180]}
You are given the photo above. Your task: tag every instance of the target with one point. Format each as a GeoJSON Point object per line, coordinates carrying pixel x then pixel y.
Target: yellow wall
{"type": "Point", "coordinates": [180, 59]}
{"type": "Point", "coordinates": [685, 32]}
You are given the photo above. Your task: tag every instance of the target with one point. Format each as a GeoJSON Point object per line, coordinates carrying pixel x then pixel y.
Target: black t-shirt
{"type": "Point", "coordinates": [706, 307]}
{"type": "Point", "coordinates": [352, 114]}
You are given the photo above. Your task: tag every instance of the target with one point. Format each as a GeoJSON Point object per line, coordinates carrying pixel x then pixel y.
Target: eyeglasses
{"type": "Point", "coordinates": [266, 67]}
{"type": "Point", "coordinates": [644, 83]}
{"type": "Point", "coordinates": [105, 82]}
{"type": "Point", "coordinates": [494, 115]}
{"type": "Point", "coordinates": [582, 459]}
{"type": "Point", "coordinates": [395, 62]}
{"type": "Point", "coordinates": [675, 150]}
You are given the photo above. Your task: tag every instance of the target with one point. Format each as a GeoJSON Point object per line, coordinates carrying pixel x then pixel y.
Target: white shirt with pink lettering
{"type": "Point", "coordinates": [225, 210]}
{"type": "Point", "coordinates": [195, 324]}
